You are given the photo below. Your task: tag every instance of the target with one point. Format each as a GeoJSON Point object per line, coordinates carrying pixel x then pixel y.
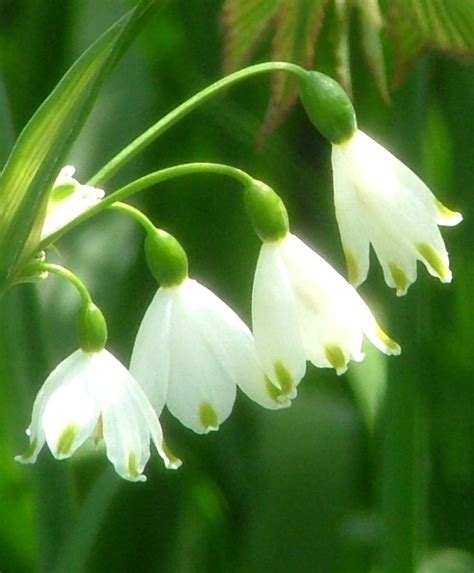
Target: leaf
{"type": "Point", "coordinates": [371, 27]}
{"type": "Point", "coordinates": [245, 22]}
{"type": "Point", "coordinates": [343, 11]}
{"type": "Point", "coordinates": [417, 24]}
{"type": "Point", "coordinates": [42, 146]}
{"type": "Point", "coordinates": [298, 26]}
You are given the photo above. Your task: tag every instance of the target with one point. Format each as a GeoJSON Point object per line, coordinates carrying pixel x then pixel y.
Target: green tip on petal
{"type": "Point", "coordinates": [66, 442]}
{"type": "Point", "coordinates": [391, 346]}
{"type": "Point", "coordinates": [353, 270]}
{"type": "Point", "coordinates": [449, 216]}
{"type": "Point", "coordinates": [399, 278]}
{"type": "Point", "coordinates": [208, 417]}
{"type": "Point", "coordinates": [280, 398]}
{"type": "Point", "coordinates": [172, 462]}
{"type": "Point", "coordinates": [284, 379]}
{"type": "Point", "coordinates": [435, 262]}
{"type": "Point", "coordinates": [134, 473]}
{"type": "Point", "coordinates": [336, 357]}
{"type": "Point", "coordinates": [28, 456]}
{"type": "Point", "coordinates": [61, 192]}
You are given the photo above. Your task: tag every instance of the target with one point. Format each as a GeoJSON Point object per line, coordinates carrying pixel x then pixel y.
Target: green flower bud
{"type": "Point", "coordinates": [92, 328]}
{"type": "Point", "coordinates": [266, 211]}
{"type": "Point", "coordinates": [328, 107]}
{"type": "Point", "coordinates": [166, 258]}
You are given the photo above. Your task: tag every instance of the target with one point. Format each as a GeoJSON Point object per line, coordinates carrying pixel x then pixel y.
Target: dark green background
{"type": "Point", "coordinates": [372, 471]}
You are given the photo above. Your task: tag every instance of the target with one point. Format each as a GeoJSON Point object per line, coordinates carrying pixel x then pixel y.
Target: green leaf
{"type": "Point", "coordinates": [298, 26]}
{"type": "Point", "coordinates": [42, 146]}
{"type": "Point", "coordinates": [371, 27]}
{"type": "Point", "coordinates": [417, 24]}
{"type": "Point", "coordinates": [245, 22]}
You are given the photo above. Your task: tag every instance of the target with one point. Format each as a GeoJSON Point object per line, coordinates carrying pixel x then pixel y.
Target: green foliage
{"type": "Point", "coordinates": [435, 24]}
{"type": "Point", "coordinates": [42, 146]}
{"type": "Point", "coordinates": [375, 467]}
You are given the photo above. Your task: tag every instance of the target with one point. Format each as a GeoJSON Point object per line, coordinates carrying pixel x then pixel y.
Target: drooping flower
{"type": "Point", "coordinates": [380, 201]}
{"type": "Point", "coordinates": [190, 353]}
{"type": "Point", "coordinates": [303, 309]}
{"type": "Point", "coordinates": [68, 199]}
{"type": "Point", "coordinates": [92, 395]}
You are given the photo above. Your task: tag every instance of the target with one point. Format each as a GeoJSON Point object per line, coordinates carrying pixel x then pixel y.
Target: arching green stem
{"type": "Point", "coordinates": [69, 276]}
{"type": "Point", "coordinates": [135, 214]}
{"type": "Point", "coordinates": [181, 111]}
{"type": "Point", "coordinates": [148, 181]}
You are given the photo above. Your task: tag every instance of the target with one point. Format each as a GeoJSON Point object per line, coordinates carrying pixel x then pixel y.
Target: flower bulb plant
{"type": "Point", "coordinates": [91, 394]}
{"type": "Point", "coordinates": [302, 308]}
{"type": "Point", "coordinates": [192, 350]}
{"type": "Point", "coordinates": [379, 201]}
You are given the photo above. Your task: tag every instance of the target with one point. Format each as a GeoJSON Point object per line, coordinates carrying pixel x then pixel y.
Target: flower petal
{"type": "Point", "coordinates": [380, 198]}
{"type": "Point", "coordinates": [275, 324]}
{"type": "Point", "coordinates": [72, 410]}
{"type": "Point", "coordinates": [150, 362]}
{"type": "Point", "coordinates": [331, 332]}
{"type": "Point", "coordinates": [201, 389]}
{"type": "Point", "coordinates": [354, 236]}
{"type": "Point", "coordinates": [68, 199]}
{"type": "Point", "coordinates": [125, 430]}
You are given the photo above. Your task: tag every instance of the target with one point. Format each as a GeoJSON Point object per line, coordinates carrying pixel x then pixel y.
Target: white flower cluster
{"type": "Point", "coordinates": [192, 350]}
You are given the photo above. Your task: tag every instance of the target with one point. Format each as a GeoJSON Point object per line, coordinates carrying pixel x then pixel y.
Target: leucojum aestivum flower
{"type": "Point", "coordinates": [192, 351]}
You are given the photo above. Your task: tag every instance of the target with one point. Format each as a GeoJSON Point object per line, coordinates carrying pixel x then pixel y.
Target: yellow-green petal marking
{"type": "Point", "coordinates": [399, 278]}
{"type": "Point", "coordinates": [353, 270]}
{"type": "Point", "coordinates": [392, 346]}
{"type": "Point", "coordinates": [435, 261]}
{"type": "Point", "coordinates": [336, 357]}
{"type": "Point", "coordinates": [66, 440]}
{"type": "Point", "coordinates": [208, 416]}
{"type": "Point", "coordinates": [133, 470]}
{"type": "Point", "coordinates": [284, 378]}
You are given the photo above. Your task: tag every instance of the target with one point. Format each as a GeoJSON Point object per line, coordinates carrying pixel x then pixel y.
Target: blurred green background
{"type": "Point", "coordinates": [369, 472]}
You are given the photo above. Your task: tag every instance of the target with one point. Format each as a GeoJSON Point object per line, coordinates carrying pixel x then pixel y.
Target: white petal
{"type": "Point", "coordinates": [62, 210]}
{"type": "Point", "coordinates": [274, 319]}
{"type": "Point", "coordinates": [232, 344]}
{"type": "Point", "coordinates": [150, 362]}
{"type": "Point", "coordinates": [331, 333]}
{"type": "Point", "coordinates": [125, 429]}
{"type": "Point", "coordinates": [354, 236]}
{"type": "Point", "coordinates": [72, 410]}
{"type": "Point", "coordinates": [201, 389]}
{"type": "Point", "coordinates": [392, 205]}
{"type": "Point", "coordinates": [35, 430]}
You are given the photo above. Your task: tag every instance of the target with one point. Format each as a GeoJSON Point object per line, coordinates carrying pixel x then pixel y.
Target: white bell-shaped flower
{"type": "Point", "coordinates": [379, 200]}
{"type": "Point", "coordinates": [303, 309]}
{"type": "Point", "coordinates": [68, 199]}
{"type": "Point", "coordinates": [190, 353]}
{"type": "Point", "coordinates": [92, 395]}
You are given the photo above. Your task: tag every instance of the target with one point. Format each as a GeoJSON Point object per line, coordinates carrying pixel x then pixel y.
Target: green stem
{"type": "Point", "coordinates": [181, 111]}
{"type": "Point", "coordinates": [69, 276]}
{"type": "Point", "coordinates": [148, 181]}
{"type": "Point", "coordinates": [135, 214]}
